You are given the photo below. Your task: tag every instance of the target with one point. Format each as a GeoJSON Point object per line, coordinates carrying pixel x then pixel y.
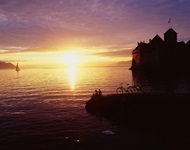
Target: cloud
{"type": "Point", "coordinates": [88, 23]}
{"type": "Point", "coordinates": [116, 53]}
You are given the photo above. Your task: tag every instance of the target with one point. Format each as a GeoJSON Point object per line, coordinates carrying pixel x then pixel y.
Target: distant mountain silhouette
{"type": "Point", "coordinates": [4, 65]}
{"type": "Point", "coordinates": [124, 63]}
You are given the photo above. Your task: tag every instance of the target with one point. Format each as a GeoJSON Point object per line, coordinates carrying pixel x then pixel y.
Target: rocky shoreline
{"type": "Point", "coordinates": [159, 114]}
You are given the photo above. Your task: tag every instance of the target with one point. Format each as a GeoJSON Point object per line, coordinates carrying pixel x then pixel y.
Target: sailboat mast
{"type": "Point", "coordinates": [17, 68]}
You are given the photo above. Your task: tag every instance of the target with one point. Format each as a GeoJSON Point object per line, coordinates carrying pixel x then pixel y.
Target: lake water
{"type": "Point", "coordinates": [45, 109]}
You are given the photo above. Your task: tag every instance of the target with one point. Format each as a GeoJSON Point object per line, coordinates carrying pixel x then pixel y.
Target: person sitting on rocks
{"type": "Point", "coordinates": [99, 92]}
{"type": "Point", "coordinates": [95, 94]}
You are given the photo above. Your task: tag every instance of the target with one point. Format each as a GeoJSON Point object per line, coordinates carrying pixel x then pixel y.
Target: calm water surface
{"type": "Point", "coordinates": [45, 108]}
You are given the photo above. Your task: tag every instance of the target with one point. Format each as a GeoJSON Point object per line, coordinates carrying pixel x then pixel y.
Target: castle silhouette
{"type": "Point", "coordinates": [162, 54]}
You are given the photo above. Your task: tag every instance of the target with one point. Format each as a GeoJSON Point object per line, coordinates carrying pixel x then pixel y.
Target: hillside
{"type": "Point", "coordinates": [4, 65]}
{"type": "Point", "coordinates": [124, 63]}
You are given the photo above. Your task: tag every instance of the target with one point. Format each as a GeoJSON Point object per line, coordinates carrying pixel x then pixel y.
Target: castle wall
{"type": "Point", "coordinates": [150, 59]}
{"type": "Point", "coordinates": [167, 54]}
{"type": "Point", "coordinates": [136, 59]}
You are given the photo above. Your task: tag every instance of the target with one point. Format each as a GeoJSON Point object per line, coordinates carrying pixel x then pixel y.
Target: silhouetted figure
{"type": "Point", "coordinates": [95, 94]}
{"type": "Point", "coordinates": [99, 92]}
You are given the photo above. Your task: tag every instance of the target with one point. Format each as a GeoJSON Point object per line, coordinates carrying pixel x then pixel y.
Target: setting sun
{"type": "Point", "coordinates": [71, 58]}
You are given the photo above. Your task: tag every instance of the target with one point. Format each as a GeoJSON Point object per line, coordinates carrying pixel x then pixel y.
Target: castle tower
{"type": "Point", "coordinates": [170, 37]}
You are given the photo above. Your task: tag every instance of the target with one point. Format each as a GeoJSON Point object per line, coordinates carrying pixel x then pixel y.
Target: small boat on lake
{"type": "Point", "coordinates": [17, 68]}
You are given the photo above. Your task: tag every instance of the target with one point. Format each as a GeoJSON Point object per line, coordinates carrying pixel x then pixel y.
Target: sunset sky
{"type": "Point", "coordinates": [90, 32]}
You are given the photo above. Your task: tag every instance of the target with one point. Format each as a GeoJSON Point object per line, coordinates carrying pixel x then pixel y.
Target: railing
{"type": "Point", "coordinates": [141, 87]}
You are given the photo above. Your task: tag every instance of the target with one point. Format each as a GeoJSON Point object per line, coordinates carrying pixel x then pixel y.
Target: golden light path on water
{"type": "Point", "coordinates": [72, 75]}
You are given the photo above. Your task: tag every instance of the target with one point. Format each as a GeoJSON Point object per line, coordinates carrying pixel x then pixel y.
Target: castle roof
{"type": "Point", "coordinates": [188, 42]}
{"type": "Point", "coordinates": [170, 31]}
{"type": "Point", "coordinates": [141, 46]}
{"type": "Point", "coordinates": [157, 38]}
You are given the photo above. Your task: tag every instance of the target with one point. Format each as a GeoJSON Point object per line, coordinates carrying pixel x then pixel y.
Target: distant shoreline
{"type": "Point", "coordinates": [6, 66]}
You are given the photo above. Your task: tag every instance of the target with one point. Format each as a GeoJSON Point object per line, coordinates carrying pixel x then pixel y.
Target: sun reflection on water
{"type": "Point", "coordinates": [72, 74]}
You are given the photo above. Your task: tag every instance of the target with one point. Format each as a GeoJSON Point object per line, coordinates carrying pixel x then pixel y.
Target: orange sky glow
{"type": "Point", "coordinates": [64, 33]}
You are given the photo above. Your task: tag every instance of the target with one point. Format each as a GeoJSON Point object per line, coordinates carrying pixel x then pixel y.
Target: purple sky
{"type": "Point", "coordinates": [107, 27]}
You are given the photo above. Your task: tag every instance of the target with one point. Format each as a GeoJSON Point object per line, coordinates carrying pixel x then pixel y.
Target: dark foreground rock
{"type": "Point", "coordinates": [161, 115]}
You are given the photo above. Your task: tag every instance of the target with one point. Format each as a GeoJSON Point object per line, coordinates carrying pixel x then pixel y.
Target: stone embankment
{"type": "Point", "coordinates": [159, 114]}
